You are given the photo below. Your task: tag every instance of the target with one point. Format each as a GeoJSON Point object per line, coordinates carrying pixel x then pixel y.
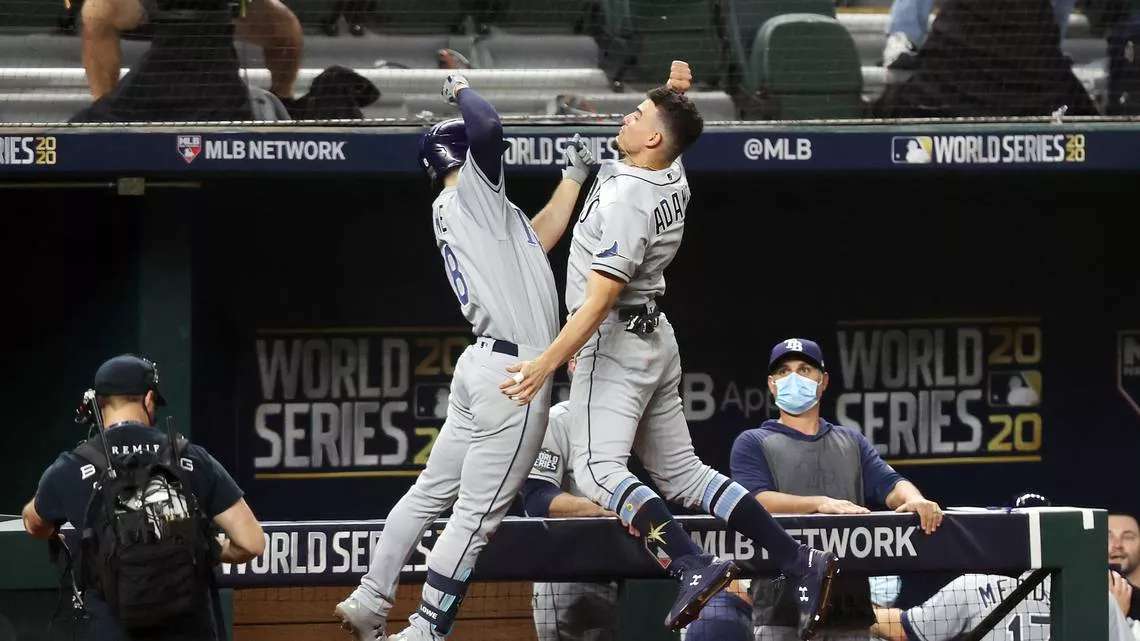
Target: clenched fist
{"type": "Point", "coordinates": [680, 76]}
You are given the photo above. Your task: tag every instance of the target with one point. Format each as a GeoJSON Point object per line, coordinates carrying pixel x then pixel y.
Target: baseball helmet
{"type": "Point", "coordinates": [1031, 500]}
{"type": "Point", "coordinates": [443, 148]}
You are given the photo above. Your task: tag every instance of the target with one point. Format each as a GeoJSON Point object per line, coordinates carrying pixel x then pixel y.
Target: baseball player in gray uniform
{"type": "Point", "coordinates": [625, 393]}
{"type": "Point", "coordinates": [494, 257]}
{"type": "Point", "coordinates": [962, 604]}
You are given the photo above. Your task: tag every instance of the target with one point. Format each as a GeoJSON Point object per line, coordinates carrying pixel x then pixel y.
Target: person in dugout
{"type": "Point", "coordinates": [147, 582]}
{"type": "Point", "coordinates": [589, 611]}
{"type": "Point", "coordinates": [191, 71]}
{"type": "Point", "coordinates": [802, 464]}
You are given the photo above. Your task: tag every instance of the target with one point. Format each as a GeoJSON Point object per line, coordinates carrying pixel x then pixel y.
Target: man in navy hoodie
{"type": "Point", "coordinates": [801, 464]}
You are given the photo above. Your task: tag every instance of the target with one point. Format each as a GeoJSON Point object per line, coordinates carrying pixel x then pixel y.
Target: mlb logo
{"type": "Point", "coordinates": [1128, 367]}
{"type": "Point", "coordinates": [911, 150]}
{"type": "Point", "coordinates": [189, 147]}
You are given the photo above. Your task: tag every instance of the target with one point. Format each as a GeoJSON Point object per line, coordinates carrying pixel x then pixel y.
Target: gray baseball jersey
{"type": "Point", "coordinates": [494, 262]}
{"type": "Point", "coordinates": [630, 228]}
{"type": "Point", "coordinates": [569, 611]}
{"type": "Point", "coordinates": [962, 604]}
{"type": "Point", "coordinates": [625, 394]}
{"type": "Point", "coordinates": [554, 457]}
{"type": "Point", "coordinates": [501, 276]}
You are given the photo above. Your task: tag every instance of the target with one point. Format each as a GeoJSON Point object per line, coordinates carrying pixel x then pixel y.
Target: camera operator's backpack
{"type": "Point", "coordinates": [146, 545]}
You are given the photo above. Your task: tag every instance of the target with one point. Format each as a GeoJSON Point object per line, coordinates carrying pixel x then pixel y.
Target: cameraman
{"type": "Point", "coordinates": [191, 71]}
{"type": "Point", "coordinates": [126, 393]}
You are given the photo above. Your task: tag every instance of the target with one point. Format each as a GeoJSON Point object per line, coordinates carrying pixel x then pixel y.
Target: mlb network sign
{"type": "Point", "coordinates": [1128, 367]}
{"type": "Point", "coordinates": [190, 146]}
{"type": "Point", "coordinates": [1010, 149]}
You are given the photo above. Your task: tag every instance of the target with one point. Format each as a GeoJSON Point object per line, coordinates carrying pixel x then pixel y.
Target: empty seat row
{"type": "Point", "coordinates": [781, 59]}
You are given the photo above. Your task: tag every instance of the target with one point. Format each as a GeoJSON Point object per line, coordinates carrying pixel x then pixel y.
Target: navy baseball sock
{"type": "Point", "coordinates": [730, 502]}
{"type": "Point", "coordinates": [752, 520]}
{"type": "Point", "coordinates": [662, 535]}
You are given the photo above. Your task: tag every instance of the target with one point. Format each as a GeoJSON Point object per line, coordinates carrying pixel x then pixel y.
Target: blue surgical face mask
{"type": "Point", "coordinates": [796, 394]}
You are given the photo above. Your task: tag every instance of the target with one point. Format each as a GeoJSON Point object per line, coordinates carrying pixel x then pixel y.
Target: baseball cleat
{"type": "Point", "coordinates": [701, 576]}
{"type": "Point", "coordinates": [813, 588]}
{"type": "Point", "coordinates": [364, 624]}
{"type": "Point", "coordinates": [414, 633]}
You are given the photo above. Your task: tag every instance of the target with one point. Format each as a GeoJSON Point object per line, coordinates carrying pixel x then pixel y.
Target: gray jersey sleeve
{"type": "Point", "coordinates": [625, 236]}
{"type": "Point", "coordinates": [550, 466]}
{"type": "Point", "coordinates": [947, 613]}
{"type": "Point", "coordinates": [481, 200]}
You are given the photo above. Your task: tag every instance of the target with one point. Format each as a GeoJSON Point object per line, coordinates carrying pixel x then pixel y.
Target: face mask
{"type": "Point", "coordinates": [795, 394]}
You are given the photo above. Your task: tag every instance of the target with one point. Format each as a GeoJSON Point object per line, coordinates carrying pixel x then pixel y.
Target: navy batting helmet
{"type": "Point", "coordinates": [443, 148]}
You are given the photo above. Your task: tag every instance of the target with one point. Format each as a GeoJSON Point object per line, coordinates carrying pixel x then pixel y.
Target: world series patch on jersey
{"type": "Point", "coordinates": [547, 461]}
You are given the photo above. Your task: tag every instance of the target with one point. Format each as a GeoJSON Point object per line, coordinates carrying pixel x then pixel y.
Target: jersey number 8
{"type": "Point", "coordinates": [458, 284]}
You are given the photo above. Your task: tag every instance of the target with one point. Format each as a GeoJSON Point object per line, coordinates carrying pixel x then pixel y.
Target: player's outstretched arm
{"type": "Point", "coordinates": [550, 223]}
{"type": "Point", "coordinates": [602, 291]}
{"type": "Point", "coordinates": [484, 128]}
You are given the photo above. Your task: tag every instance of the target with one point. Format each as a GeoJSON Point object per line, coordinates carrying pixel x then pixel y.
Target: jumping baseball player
{"type": "Point", "coordinates": [495, 260]}
{"type": "Point", "coordinates": [625, 393]}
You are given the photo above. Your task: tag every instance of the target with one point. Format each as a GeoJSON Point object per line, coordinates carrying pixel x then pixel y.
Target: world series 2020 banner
{"type": "Point", "coordinates": [331, 415]}
{"type": "Point", "coordinates": [349, 403]}
{"type": "Point", "coordinates": [957, 390]}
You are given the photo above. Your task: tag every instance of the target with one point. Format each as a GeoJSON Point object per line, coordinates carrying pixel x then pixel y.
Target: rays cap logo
{"type": "Point", "coordinates": [1128, 367]}
{"type": "Point", "coordinates": [189, 147]}
{"type": "Point", "coordinates": [801, 347]}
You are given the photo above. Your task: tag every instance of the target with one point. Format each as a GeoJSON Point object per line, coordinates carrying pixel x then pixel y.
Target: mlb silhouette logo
{"type": "Point", "coordinates": [1128, 367]}
{"type": "Point", "coordinates": [432, 400]}
{"type": "Point", "coordinates": [911, 150]}
{"type": "Point", "coordinates": [189, 147]}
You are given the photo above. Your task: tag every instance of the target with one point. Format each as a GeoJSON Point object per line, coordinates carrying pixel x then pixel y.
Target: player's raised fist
{"type": "Point", "coordinates": [451, 87]}
{"type": "Point", "coordinates": [680, 76]}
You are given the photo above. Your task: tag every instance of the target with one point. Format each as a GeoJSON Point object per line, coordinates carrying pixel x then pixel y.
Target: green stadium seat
{"type": "Point", "coordinates": [642, 37]}
{"type": "Point", "coordinates": [742, 19]}
{"type": "Point", "coordinates": [803, 66]}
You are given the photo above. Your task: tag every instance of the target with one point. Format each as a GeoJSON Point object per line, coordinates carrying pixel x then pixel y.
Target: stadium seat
{"type": "Point", "coordinates": [416, 16]}
{"type": "Point", "coordinates": [533, 34]}
{"type": "Point", "coordinates": [741, 22]}
{"type": "Point", "coordinates": [641, 37]}
{"type": "Point", "coordinates": [803, 66]}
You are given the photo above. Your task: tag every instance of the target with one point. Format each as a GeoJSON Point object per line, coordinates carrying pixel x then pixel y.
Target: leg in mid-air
{"type": "Point", "coordinates": [665, 447]}
{"type": "Point", "coordinates": [504, 442]}
{"type": "Point", "coordinates": [366, 610]}
{"type": "Point", "coordinates": [608, 400]}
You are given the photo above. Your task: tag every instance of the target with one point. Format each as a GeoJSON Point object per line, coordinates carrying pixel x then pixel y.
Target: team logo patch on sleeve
{"type": "Point", "coordinates": [547, 461]}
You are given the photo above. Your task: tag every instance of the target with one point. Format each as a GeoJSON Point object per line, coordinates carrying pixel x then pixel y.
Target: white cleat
{"type": "Point", "coordinates": [364, 624]}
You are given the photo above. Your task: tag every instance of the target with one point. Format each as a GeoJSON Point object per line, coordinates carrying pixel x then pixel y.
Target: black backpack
{"type": "Point", "coordinates": [146, 544]}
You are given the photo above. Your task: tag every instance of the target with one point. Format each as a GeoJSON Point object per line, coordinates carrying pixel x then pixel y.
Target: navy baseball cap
{"type": "Point", "coordinates": [128, 375]}
{"type": "Point", "coordinates": [802, 347]}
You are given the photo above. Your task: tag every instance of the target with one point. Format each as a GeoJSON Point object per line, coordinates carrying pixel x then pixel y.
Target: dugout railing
{"type": "Point", "coordinates": [308, 564]}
